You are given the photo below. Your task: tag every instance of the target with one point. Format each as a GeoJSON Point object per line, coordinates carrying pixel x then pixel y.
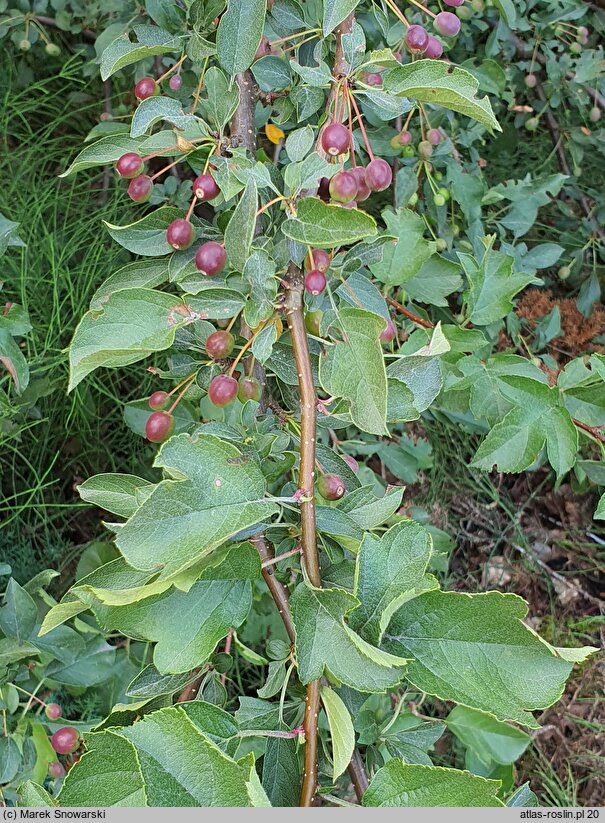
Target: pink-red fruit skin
{"type": "Point", "coordinates": [56, 770]}
{"type": "Point", "coordinates": [434, 50]}
{"type": "Point", "coordinates": [249, 389]}
{"type": "Point", "coordinates": [220, 344]}
{"type": "Point", "coordinates": [335, 139]}
{"type": "Point", "coordinates": [417, 39]}
{"type": "Point", "coordinates": [351, 462]}
{"type": "Point", "coordinates": [205, 187]}
{"type": "Point", "coordinates": [320, 260]}
{"type": "Point", "coordinates": [379, 174]}
{"type": "Point", "coordinates": [315, 282]}
{"type": "Point", "coordinates": [211, 258]}
{"type": "Point", "coordinates": [390, 333]}
{"type": "Point", "coordinates": [363, 191]}
{"type": "Point", "coordinates": [53, 711]}
{"type": "Point", "coordinates": [343, 187]}
{"type": "Point", "coordinates": [222, 390]}
{"type": "Point", "coordinates": [158, 400]}
{"type": "Point", "coordinates": [175, 82]}
{"type": "Point", "coordinates": [180, 234]}
{"type": "Point", "coordinates": [65, 740]}
{"type": "Point", "coordinates": [447, 24]}
{"type": "Point", "coordinates": [331, 486]}
{"type": "Point", "coordinates": [159, 427]}
{"type": "Point", "coordinates": [130, 165]}
{"type": "Point", "coordinates": [140, 188]}
{"type": "Point", "coordinates": [147, 87]}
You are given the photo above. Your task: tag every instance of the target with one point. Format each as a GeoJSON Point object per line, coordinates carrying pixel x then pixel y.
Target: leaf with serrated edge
{"type": "Point", "coordinates": [131, 325]}
{"type": "Point", "coordinates": [325, 226]}
{"type": "Point", "coordinates": [239, 34]}
{"type": "Point", "coordinates": [354, 369]}
{"type": "Point", "coordinates": [215, 493]}
{"type": "Point", "coordinates": [390, 570]}
{"type": "Point", "coordinates": [107, 774]}
{"type": "Point", "coordinates": [186, 626]}
{"type": "Point", "coordinates": [341, 730]}
{"type": "Point", "coordinates": [181, 766]}
{"type": "Point", "coordinates": [325, 643]}
{"type": "Point", "coordinates": [441, 83]}
{"type": "Point", "coordinates": [116, 493]}
{"type": "Point", "coordinates": [410, 785]}
{"type": "Point", "coordinates": [474, 650]}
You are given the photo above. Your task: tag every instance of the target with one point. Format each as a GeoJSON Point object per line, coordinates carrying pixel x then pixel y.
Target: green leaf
{"type": "Point", "coordinates": [325, 226]}
{"type": "Point", "coordinates": [325, 644]}
{"type": "Point", "coordinates": [34, 796]}
{"type": "Point", "coordinates": [474, 650]}
{"type": "Point", "coordinates": [108, 774]}
{"type": "Point", "coordinates": [538, 419]}
{"type": "Point", "coordinates": [186, 626]}
{"type": "Point", "coordinates": [341, 730]}
{"type": "Point", "coordinates": [131, 325]}
{"type": "Point", "coordinates": [153, 109]}
{"type": "Point", "coordinates": [239, 34]}
{"type": "Point", "coordinates": [259, 271]}
{"type": "Point", "coordinates": [19, 614]}
{"type": "Point", "coordinates": [600, 510]}
{"type": "Point", "coordinates": [181, 766]}
{"type": "Point", "coordinates": [410, 785]}
{"type": "Point", "coordinates": [10, 759]}
{"type": "Point", "coordinates": [404, 257]}
{"type": "Point", "coordinates": [489, 739]}
{"type": "Point", "coordinates": [11, 357]}
{"type": "Point", "coordinates": [120, 494]}
{"type": "Point", "coordinates": [523, 797]}
{"type": "Point", "coordinates": [443, 84]}
{"type": "Point", "coordinates": [354, 369]}
{"type": "Point", "coordinates": [222, 100]}
{"type": "Point", "coordinates": [299, 143]}
{"type": "Point", "coordinates": [281, 772]}
{"type": "Point", "coordinates": [240, 230]}
{"type": "Point", "coordinates": [390, 571]}
{"type": "Point", "coordinates": [122, 52]}
{"type": "Point", "coordinates": [420, 373]}
{"type": "Point", "coordinates": [335, 12]}
{"type": "Point", "coordinates": [146, 236]}
{"type": "Point", "coordinates": [107, 150]}
{"type": "Point", "coordinates": [215, 493]}
{"type": "Point", "coordinates": [526, 197]}
{"type": "Point", "coordinates": [492, 284]}
{"type": "Point", "coordinates": [142, 274]}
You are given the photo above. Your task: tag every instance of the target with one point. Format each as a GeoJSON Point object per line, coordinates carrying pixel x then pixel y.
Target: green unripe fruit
{"type": "Point", "coordinates": [413, 200]}
{"type": "Point", "coordinates": [532, 124]}
{"type": "Point", "coordinates": [394, 142]}
{"type": "Point", "coordinates": [331, 486]}
{"type": "Point", "coordinates": [438, 176]}
{"type": "Point", "coordinates": [313, 322]}
{"type": "Point", "coordinates": [564, 272]}
{"type": "Point", "coordinates": [52, 49]}
{"type": "Point", "coordinates": [478, 5]}
{"type": "Point", "coordinates": [575, 48]}
{"type": "Point", "coordinates": [441, 244]}
{"type": "Point", "coordinates": [249, 389]}
{"type": "Point", "coordinates": [25, 45]}
{"type": "Point", "coordinates": [425, 150]}
{"type": "Point", "coordinates": [408, 151]}
{"type": "Point", "coordinates": [439, 200]}
{"type": "Point", "coordinates": [444, 193]}
{"type": "Point", "coordinates": [455, 230]}
{"type": "Point", "coordinates": [595, 114]}
{"type": "Point", "coordinates": [464, 12]}
{"type": "Point", "coordinates": [531, 81]}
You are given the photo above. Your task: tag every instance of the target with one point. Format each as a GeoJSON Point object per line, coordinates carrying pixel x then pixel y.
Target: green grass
{"type": "Point", "coordinates": [58, 441]}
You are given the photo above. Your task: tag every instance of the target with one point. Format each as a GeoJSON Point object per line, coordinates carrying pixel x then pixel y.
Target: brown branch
{"type": "Point", "coordinates": [592, 430]}
{"type": "Point", "coordinates": [358, 775]}
{"type": "Point", "coordinates": [242, 122]}
{"type": "Point", "coordinates": [278, 591]}
{"type": "Point", "coordinates": [410, 315]}
{"type": "Point", "coordinates": [306, 476]}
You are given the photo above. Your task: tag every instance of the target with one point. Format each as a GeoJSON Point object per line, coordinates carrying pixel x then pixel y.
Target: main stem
{"type": "Point", "coordinates": [306, 477]}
